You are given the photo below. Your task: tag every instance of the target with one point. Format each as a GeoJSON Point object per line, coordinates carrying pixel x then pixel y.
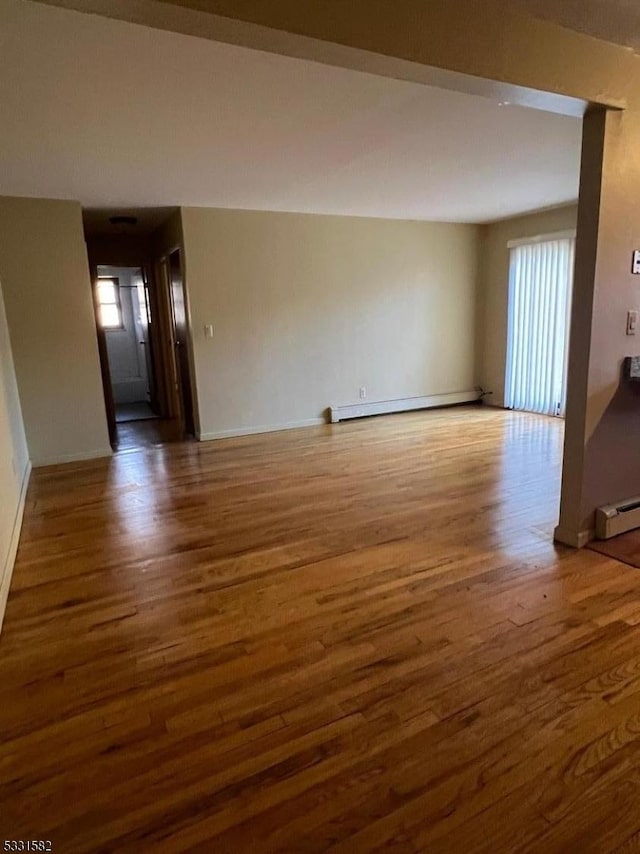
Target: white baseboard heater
{"type": "Point", "coordinates": [407, 404]}
{"type": "Point", "coordinates": [617, 519]}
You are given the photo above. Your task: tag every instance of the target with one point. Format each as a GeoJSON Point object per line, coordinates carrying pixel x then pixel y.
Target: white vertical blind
{"type": "Point", "coordinates": [540, 287]}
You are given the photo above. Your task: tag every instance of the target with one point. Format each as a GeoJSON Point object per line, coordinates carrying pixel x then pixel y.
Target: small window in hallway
{"type": "Point", "coordinates": [109, 301]}
{"type": "Point", "coordinates": [540, 287]}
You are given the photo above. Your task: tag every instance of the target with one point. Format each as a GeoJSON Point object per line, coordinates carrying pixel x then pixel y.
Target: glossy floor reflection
{"type": "Point", "coordinates": [355, 637]}
{"type": "Point", "coordinates": [140, 411]}
{"type": "Point", "coordinates": [152, 433]}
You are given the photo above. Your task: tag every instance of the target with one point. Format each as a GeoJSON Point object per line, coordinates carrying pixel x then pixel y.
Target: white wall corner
{"type": "Point", "coordinates": [9, 563]}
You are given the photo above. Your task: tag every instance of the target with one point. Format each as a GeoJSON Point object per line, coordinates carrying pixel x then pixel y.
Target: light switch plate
{"type": "Point", "coordinates": [632, 322]}
{"type": "Point", "coordinates": [635, 263]}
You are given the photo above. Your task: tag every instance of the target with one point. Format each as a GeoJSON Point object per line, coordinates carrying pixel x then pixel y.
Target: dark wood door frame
{"type": "Point", "coordinates": [156, 343]}
{"type": "Point", "coordinates": [167, 341]}
{"type": "Point", "coordinates": [172, 361]}
{"type": "Point", "coordinates": [172, 292]}
{"type": "Point", "coordinates": [180, 322]}
{"type": "Point", "coordinates": [148, 331]}
{"type": "Point", "coordinates": [109, 403]}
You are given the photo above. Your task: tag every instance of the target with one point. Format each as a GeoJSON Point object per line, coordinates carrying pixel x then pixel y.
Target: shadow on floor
{"type": "Point", "coordinates": [150, 433]}
{"type": "Point", "coordinates": [625, 548]}
{"type": "Point", "coordinates": [134, 412]}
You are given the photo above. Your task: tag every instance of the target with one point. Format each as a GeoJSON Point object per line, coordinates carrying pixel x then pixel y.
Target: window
{"type": "Point", "coordinates": [540, 286]}
{"type": "Point", "coordinates": [109, 302]}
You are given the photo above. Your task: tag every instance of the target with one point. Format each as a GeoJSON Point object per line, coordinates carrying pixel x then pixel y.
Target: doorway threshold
{"type": "Point", "coordinates": [151, 433]}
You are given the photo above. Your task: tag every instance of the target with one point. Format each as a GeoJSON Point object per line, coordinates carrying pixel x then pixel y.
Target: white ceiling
{"type": "Point", "coordinates": [117, 115]}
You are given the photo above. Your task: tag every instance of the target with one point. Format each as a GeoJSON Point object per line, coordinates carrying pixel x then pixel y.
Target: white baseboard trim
{"type": "Point", "coordinates": [407, 404]}
{"type": "Point", "coordinates": [570, 538]}
{"type": "Point", "coordinates": [73, 458]}
{"type": "Point", "coordinates": [9, 562]}
{"type": "Point", "coordinates": [267, 428]}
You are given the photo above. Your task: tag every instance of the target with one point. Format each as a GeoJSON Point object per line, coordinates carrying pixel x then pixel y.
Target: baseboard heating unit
{"type": "Point", "coordinates": [407, 404]}
{"type": "Point", "coordinates": [617, 519]}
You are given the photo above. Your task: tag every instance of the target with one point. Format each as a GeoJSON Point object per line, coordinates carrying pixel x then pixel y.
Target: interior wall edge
{"type": "Point", "coordinates": [10, 558]}
{"type": "Point", "coordinates": [47, 293]}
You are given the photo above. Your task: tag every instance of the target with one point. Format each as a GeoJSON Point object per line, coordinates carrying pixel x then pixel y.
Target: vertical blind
{"type": "Point", "coordinates": [540, 288]}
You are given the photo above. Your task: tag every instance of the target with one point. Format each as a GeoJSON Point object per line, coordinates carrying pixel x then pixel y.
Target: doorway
{"type": "Point", "coordinates": [540, 292]}
{"type": "Point", "coordinates": [123, 307]}
{"type": "Point", "coordinates": [141, 320]}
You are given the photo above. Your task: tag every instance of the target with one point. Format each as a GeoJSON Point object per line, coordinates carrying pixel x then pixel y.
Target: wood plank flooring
{"type": "Point", "coordinates": [135, 435]}
{"type": "Point", "coordinates": [351, 638]}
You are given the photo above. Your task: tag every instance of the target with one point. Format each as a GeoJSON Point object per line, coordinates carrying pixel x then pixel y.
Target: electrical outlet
{"type": "Point", "coordinates": [363, 392]}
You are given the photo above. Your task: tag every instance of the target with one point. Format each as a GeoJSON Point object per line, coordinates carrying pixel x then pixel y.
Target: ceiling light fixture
{"type": "Point", "coordinates": [123, 220]}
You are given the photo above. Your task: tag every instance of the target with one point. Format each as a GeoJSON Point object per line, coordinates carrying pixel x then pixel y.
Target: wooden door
{"type": "Point", "coordinates": [144, 326]}
{"type": "Point", "coordinates": [180, 339]}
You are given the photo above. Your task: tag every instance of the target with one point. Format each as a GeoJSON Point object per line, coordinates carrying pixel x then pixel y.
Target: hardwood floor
{"type": "Point", "coordinates": [352, 638]}
{"type": "Point", "coordinates": [151, 433]}
{"type": "Point", "coordinates": [140, 411]}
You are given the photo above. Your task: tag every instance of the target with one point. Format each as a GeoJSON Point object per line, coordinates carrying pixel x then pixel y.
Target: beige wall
{"type": "Point", "coordinates": [306, 309]}
{"type": "Point", "coordinates": [14, 461]}
{"type": "Point", "coordinates": [493, 294]}
{"type": "Point", "coordinates": [45, 278]}
{"type": "Point", "coordinates": [168, 235]}
{"type": "Point", "coordinates": [605, 409]}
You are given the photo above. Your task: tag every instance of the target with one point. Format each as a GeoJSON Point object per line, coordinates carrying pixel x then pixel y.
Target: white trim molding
{"type": "Point", "coordinates": [9, 563]}
{"type": "Point", "coordinates": [407, 404]}
{"type": "Point", "coordinates": [97, 454]}
{"type": "Point", "coordinates": [570, 538]}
